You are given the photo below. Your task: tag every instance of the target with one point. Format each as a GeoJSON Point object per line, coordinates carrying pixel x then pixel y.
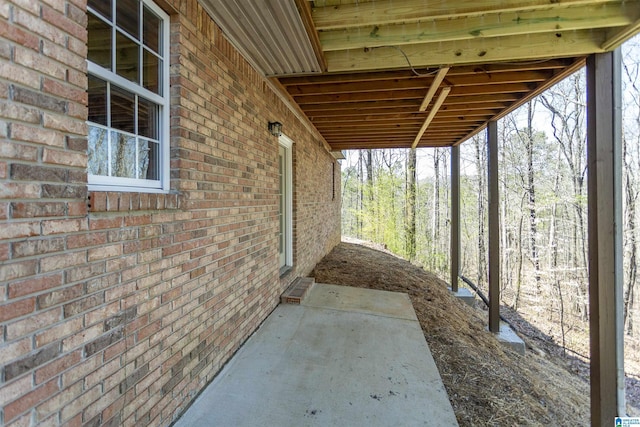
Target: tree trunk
{"type": "Point", "coordinates": [410, 219]}
{"type": "Point", "coordinates": [630, 233]}
{"type": "Point", "coordinates": [480, 170]}
{"type": "Point", "coordinates": [533, 231]}
{"type": "Point", "coordinates": [435, 224]}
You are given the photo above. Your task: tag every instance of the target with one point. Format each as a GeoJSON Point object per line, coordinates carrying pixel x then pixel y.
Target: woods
{"type": "Point", "coordinates": [401, 198]}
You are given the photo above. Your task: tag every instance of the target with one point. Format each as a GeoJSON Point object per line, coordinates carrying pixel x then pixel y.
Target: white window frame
{"type": "Point", "coordinates": [287, 143]}
{"type": "Point", "coordinates": [110, 183]}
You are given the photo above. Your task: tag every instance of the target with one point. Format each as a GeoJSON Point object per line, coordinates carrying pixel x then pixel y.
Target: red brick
{"type": "Point", "coordinates": [20, 132]}
{"type": "Point", "coordinates": [17, 309]}
{"type": "Point", "coordinates": [63, 226]}
{"type": "Point", "coordinates": [57, 402]}
{"type": "Point", "coordinates": [64, 91]}
{"type": "Point", "coordinates": [104, 252]}
{"type": "Point", "coordinates": [76, 110]}
{"type": "Point", "coordinates": [56, 367]}
{"type": "Point", "coordinates": [57, 18]}
{"type": "Point", "coordinates": [77, 405]}
{"type": "Point", "coordinates": [86, 240]}
{"type": "Point", "coordinates": [15, 229]}
{"type": "Point", "coordinates": [59, 332]}
{"type": "Point", "coordinates": [81, 338]}
{"type": "Point", "coordinates": [64, 158]}
{"type": "Point", "coordinates": [39, 27]}
{"type": "Point", "coordinates": [62, 54]}
{"type": "Point", "coordinates": [9, 392]}
{"type": "Point", "coordinates": [19, 36]}
{"type": "Point", "coordinates": [16, 111]}
{"type": "Point", "coordinates": [26, 248]}
{"type": "Point", "coordinates": [104, 223]}
{"type": "Point", "coordinates": [13, 150]}
{"type": "Point", "coordinates": [34, 285]}
{"type": "Point", "coordinates": [17, 270]}
{"type": "Point", "coordinates": [14, 350]}
{"type": "Point", "coordinates": [33, 323]}
{"type": "Point", "coordinates": [30, 6]}
{"type": "Point", "coordinates": [29, 400]}
{"type": "Point", "coordinates": [5, 250]}
{"type": "Point", "coordinates": [32, 59]}
{"type": "Point", "coordinates": [77, 14]}
{"type": "Point", "coordinates": [19, 190]}
{"type": "Point", "coordinates": [60, 296]}
{"type": "Point", "coordinates": [62, 261]}
{"type": "Point", "coordinates": [62, 123]}
{"type": "Point", "coordinates": [37, 209]}
{"type": "Point", "coordinates": [77, 208]}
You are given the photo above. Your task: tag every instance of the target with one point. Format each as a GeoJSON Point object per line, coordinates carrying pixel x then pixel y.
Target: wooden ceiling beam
{"type": "Point", "coordinates": [388, 12]}
{"type": "Point", "coordinates": [460, 70]}
{"type": "Point", "coordinates": [516, 48]}
{"type": "Point", "coordinates": [358, 116]}
{"type": "Point", "coordinates": [359, 97]}
{"type": "Point", "coordinates": [435, 84]}
{"type": "Point", "coordinates": [616, 37]}
{"type": "Point", "coordinates": [436, 106]}
{"type": "Point", "coordinates": [360, 86]}
{"type": "Point", "coordinates": [490, 25]}
{"type": "Point", "coordinates": [492, 89]}
{"type": "Point", "coordinates": [362, 120]}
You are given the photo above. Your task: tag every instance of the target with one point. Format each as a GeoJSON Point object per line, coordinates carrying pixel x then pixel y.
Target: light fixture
{"type": "Point", "coordinates": [275, 128]}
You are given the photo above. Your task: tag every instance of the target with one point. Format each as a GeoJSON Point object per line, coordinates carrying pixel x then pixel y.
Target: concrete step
{"type": "Point", "coordinates": [298, 290]}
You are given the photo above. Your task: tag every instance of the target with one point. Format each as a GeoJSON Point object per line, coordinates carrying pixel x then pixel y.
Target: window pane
{"type": "Point", "coordinates": [101, 6]}
{"type": "Point", "coordinates": [148, 118]}
{"type": "Point", "coordinates": [128, 16]}
{"type": "Point", "coordinates": [151, 30]}
{"type": "Point", "coordinates": [149, 160]}
{"type": "Point", "coordinates": [98, 153]}
{"type": "Point", "coordinates": [99, 44]}
{"type": "Point", "coordinates": [123, 155]}
{"type": "Point", "coordinates": [127, 59]}
{"type": "Point", "coordinates": [122, 109]}
{"type": "Point", "coordinates": [151, 72]}
{"type": "Point", "coordinates": [97, 100]}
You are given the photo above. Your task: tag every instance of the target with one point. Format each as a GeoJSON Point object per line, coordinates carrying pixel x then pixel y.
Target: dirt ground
{"type": "Point", "coordinates": [487, 383]}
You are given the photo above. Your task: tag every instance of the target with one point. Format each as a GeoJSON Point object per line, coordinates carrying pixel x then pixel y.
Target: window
{"type": "Point", "coordinates": [285, 208]}
{"type": "Point", "coordinates": [128, 63]}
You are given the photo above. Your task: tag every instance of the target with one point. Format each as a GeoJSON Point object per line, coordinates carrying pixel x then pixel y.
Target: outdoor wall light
{"type": "Point", "coordinates": [275, 128]}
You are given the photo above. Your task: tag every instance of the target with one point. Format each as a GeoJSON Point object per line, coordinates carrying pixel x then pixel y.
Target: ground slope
{"type": "Point", "coordinates": [487, 383]}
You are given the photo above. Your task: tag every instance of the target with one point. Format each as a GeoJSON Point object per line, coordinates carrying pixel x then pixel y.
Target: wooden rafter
{"type": "Point", "coordinates": [387, 12]}
{"type": "Point", "coordinates": [516, 48]}
{"type": "Point", "coordinates": [432, 113]}
{"type": "Point", "coordinates": [468, 28]}
{"type": "Point", "coordinates": [433, 88]}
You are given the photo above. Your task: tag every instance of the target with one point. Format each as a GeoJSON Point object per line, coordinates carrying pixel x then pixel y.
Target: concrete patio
{"type": "Point", "coordinates": [344, 356]}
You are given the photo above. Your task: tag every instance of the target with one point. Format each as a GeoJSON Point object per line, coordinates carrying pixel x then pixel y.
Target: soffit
{"type": "Point", "coordinates": [269, 33]}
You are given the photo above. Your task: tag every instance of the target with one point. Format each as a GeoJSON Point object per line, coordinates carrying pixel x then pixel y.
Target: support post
{"type": "Point", "coordinates": [494, 229]}
{"type": "Point", "coordinates": [604, 158]}
{"type": "Point", "coordinates": [455, 217]}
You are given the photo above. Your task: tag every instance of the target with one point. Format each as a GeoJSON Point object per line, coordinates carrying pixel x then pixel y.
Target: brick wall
{"type": "Point", "coordinates": [117, 308]}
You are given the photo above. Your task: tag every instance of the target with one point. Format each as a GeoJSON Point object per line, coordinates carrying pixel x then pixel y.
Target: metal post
{"type": "Point", "coordinates": [455, 217]}
{"type": "Point", "coordinates": [604, 158]}
{"type": "Point", "coordinates": [494, 229]}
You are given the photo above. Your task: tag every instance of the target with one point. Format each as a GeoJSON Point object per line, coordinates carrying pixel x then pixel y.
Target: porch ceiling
{"type": "Point", "coordinates": [385, 73]}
